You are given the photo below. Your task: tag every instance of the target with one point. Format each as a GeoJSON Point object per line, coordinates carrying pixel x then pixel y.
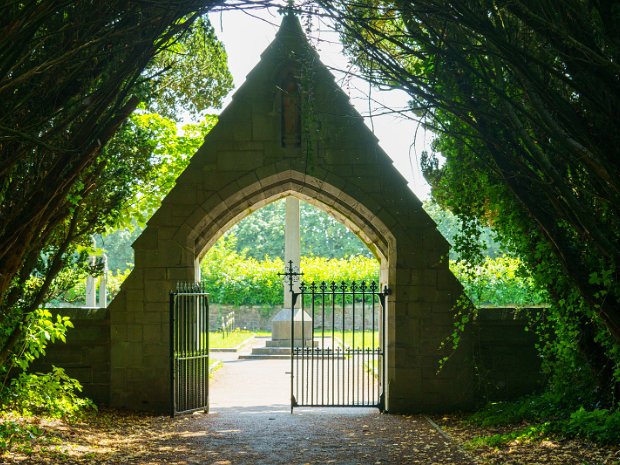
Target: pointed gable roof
{"type": "Point", "coordinates": [338, 165]}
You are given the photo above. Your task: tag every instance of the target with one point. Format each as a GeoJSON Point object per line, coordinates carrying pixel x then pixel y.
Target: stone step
{"type": "Point", "coordinates": [271, 351]}
{"type": "Point", "coordinates": [285, 352]}
{"type": "Point", "coordinates": [264, 357]}
{"type": "Point", "coordinates": [286, 343]}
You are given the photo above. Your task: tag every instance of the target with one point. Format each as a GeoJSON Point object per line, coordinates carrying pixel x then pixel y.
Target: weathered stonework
{"type": "Point", "coordinates": [86, 354]}
{"type": "Point", "coordinates": [338, 167]}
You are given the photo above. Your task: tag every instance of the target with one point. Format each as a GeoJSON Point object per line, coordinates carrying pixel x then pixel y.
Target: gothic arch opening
{"type": "Point", "coordinates": [354, 215]}
{"type": "Point", "coordinates": [254, 310]}
{"type": "Point", "coordinates": [359, 219]}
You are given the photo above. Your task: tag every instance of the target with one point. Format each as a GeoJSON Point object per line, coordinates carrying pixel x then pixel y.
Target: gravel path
{"type": "Point", "coordinates": [250, 423]}
{"type": "Point", "coordinates": [271, 435]}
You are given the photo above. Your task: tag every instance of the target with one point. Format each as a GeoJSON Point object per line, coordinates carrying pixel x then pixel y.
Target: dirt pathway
{"type": "Point", "coordinates": [249, 423]}
{"type": "Point", "coordinates": [271, 435]}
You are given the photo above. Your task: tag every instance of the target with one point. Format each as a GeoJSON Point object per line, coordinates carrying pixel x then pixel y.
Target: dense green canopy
{"type": "Point", "coordinates": [525, 99]}
{"type": "Point", "coordinates": [70, 75]}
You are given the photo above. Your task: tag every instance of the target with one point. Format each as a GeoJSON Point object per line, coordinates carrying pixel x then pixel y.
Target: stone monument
{"type": "Point", "coordinates": [281, 324]}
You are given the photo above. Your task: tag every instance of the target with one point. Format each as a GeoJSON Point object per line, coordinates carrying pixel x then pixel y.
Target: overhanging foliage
{"type": "Point", "coordinates": [70, 74]}
{"type": "Point", "coordinates": [524, 97]}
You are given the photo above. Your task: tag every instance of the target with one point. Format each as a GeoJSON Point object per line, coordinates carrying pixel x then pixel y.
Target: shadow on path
{"type": "Point", "coordinates": [250, 423]}
{"type": "Point", "coordinates": [271, 435]}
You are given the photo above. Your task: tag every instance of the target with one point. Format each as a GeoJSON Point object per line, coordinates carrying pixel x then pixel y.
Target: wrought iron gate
{"type": "Point", "coordinates": [189, 348]}
{"type": "Point", "coordinates": [337, 344]}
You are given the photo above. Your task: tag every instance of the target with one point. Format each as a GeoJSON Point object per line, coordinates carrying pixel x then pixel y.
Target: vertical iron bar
{"type": "Point", "coordinates": [184, 350]}
{"type": "Point", "coordinates": [206, 348]}
{"type": "Point", "coordinates": [323, 345]}
{"type": "Point", "coordinates": [198, 386]}
{"type": "Point", "coordinates": [304, 378]}
{"type": "Point", "coordinates": [293, 301]}
{"type": "Point", "coordinates": [190, 347]}
{"type": "Point", "coordinates": [312, 357]}
{"type": "Point", "coordinates": [301, 359]}
{"type": "Point", "coordinates": [373, 346]}
{"type": "Point", "coordinates": [188, 351]}
{"type": "Point", "coordinates": [197, 383]}
{"type": "Point", "coordinates": [379, 351]}
{"type": "Point", "coordinates": [201, 350]}
{"type": "Point", "coordinates": [348, 373]}
{"type": "Point", "coordinates": [333, 297]}
{"type": "Point", "coordinates": [344, 344]}
{"type": "Point", "coordinates": [208, 340]}
{"type": "Point", "coordinates": [181, 329]}
{"type": "Point", "coordinates": [186, 345]}
{"type": "Point", "coordinates": [382, 300]}
{"type": "Point", "coordinates": [172, 356]}
{"type": "Point", "coordinates": [181, 347]}
{"type": "Point", "coordinates": [201, 355]}
{"type": "Point", "coordinates": [353, 372]}
{"type": "Point", "coordinates": [198, 354]}
{"type": "Point", "coordinates": [177, 349]}
{"type": "Point", "coordinates": [315, 351]}
{"type": "Point", "coordinates": [374, 352]}
{"type": "Point", "coordinates": [364, 363]}
{"type": "Point", "coordinates": [191, 300]}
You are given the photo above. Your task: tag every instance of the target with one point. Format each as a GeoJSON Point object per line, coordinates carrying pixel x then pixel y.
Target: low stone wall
{"type": "Point", "coordinates": [86, 354]}
{"type": "Point", "coordinates": [259, 317]}
{"type": "Point", "coordinates": [251, 317]}
{"type": "Point", "coordinates": [505, 358]}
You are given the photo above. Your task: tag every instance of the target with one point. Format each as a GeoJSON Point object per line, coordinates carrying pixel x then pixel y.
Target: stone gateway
{"type": "Point", "coordinates": [291, 131]}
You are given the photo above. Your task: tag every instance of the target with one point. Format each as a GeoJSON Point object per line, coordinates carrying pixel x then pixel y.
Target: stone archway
{"type": "Point", "coordinates": [346, 209]}
{"type": "Point", "coordinates": [248, 160]}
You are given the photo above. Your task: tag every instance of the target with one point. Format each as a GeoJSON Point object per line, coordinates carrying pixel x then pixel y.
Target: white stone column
{"type": "Point", "coordinates": [292, 246]}
{"type": "Point", "coordinates": [103, 293]}
{"type": "Point", "coordinates": [91, 289]}
{"type": "Point", "coordinates": [286, 320]}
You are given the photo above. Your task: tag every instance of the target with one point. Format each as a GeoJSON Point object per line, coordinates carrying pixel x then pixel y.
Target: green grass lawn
{"type": "Point", "coordinates": [363, 339]}
{"type": "Point", "coordinates": [238, 336]}
{"type": "Point", "coordinates": [232, 340]}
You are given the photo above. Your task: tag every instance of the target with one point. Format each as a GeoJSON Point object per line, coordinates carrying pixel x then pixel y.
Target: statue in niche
{"type": "Point", "coordinates": [291, 112]}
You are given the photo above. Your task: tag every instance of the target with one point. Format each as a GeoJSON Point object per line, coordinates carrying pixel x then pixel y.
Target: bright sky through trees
{"type": "Point", "coordinates": [246, 34]}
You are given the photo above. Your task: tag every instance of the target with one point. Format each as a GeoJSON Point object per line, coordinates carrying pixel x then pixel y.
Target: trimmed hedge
{"type": "Point", "coordinates": [235, 279]}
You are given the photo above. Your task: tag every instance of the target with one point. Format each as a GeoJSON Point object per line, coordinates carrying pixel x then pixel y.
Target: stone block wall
{"type": "Point", "coordinates": [250, 317]}
{"type": "Point", "coordinates": [86, 354]}
{"type": "Point", "coordinates": [505, 358]}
